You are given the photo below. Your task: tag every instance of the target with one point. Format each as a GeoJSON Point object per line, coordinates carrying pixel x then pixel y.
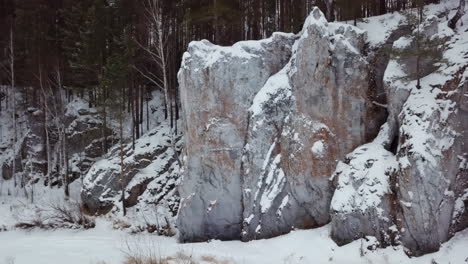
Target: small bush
{"type": "Point", "coordinates": [58, 216]}
{"type": "Point", "coordinates": [161, 229]}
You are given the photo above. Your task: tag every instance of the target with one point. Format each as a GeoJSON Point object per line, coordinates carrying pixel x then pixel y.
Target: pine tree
{"type": "Point", "coordinates": [424, 50]}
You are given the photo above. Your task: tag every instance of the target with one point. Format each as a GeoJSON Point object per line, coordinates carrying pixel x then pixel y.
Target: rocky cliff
{"type": "Point", "coordinates": [296, 131]}
{"type": "Point", "coordinates": [151, 164]}
{"type": "Point", "coordinates": [83, 128]}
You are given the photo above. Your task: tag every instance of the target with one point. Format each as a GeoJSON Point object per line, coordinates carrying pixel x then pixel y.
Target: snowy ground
{"type": "Point", "coordinates": [104, 244]}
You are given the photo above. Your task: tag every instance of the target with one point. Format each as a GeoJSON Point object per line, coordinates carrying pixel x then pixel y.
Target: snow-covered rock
{"type": "Point", "coordinates": [264, 149]}
{"type": "Point", "coordinates": [431, 139]}
{"type": "Point", "coordinates": [83, 132]}
{"type": "Point", "coordinates": [363, 200]}
{"type": "Point", "coordinates": [151, 173]}
{"type": "Point", "coordinates": [218, 85]}
{"type": "Point", "coordinates": [432, 152]}
{"type": "Point", "coordinates": [277, 161]}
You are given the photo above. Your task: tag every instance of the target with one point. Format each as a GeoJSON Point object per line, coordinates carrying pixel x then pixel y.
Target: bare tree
{"type": "Point", "coordinates": [56, 113]}
{"type": "Point", "coordinates": [13, 97]}
{"type": "Point", "coordinates": [122, 172]}
{"type": "Point", "coordinates": [330, 9]}
{"type": "Point", "coordinates": [157, 49]}
{"type": "Point", "coordinates": [62, 132]}
{"type": "Point", "coordinates": [46, 126]}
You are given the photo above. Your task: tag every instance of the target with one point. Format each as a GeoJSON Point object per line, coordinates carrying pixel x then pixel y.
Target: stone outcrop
{"type": "Point", "coordinates": [218, 86]}
{"type": "Point", "coordinates": [83, 130]}
{"type": "Point", "coordinates": [432, 177]}
{"type": "Point", "coordinates": [421, 197]}
{"type": "Point", "coordinates": [297, 120]}
{"type": "Point", "coordinates": [266, 169]}
{"type": "Point", "coordinates": [364, 199]}
{"type": "Point", "coordinates": [151, 173]}
{"type": "Point", "coordinates": [283, 133]}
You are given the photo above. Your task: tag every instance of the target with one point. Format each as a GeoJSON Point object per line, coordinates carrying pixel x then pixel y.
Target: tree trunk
{"type": "Point", "coordinates": [122, 176]}
{"type": "Point", "coordinates": [12, 81]}
{"type": "Point", "coordinates": [147, 114]}
{"type": "Point", "coordinates": [330, 10]}
{"type": "Point", "coordinates": [460, 12]}
{"type": "Point", "coordinates": [103, 130]}
{"type": "Point", "coordinates": [46, 125]}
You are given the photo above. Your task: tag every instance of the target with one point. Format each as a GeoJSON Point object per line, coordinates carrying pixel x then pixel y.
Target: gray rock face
{"type": "Point", "coordinates": [30, 154]}
{"type": "Point", "coordinates": [269, 172]}
{"type": "Point", "coordinates": [432, 178]}
{"type": "Point", "coordinates": [83, 134]}
{"type": "Point", "coordinates": [151, 174]}
{"type": "Point", "coordinates": [218, 85]}
{"type": "Point", "coordinates": [420, 193]}
{"type": "Point", "coordinates": [364, 199]}
{"type": "Point", "coordinates": [292, 148]}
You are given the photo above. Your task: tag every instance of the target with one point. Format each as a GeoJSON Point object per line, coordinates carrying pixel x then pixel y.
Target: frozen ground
{"type": "Point", "coordinates": [104, 244]}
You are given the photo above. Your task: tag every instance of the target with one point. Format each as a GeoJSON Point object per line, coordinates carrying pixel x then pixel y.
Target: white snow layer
{"type": "Point", "coordinates": [210, 54]}
{"type": "Point", "coordinates": [364, 181]}
{"type": "Point", "coordinates": [299, 247]}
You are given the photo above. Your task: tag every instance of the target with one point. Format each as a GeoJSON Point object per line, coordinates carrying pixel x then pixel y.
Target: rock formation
{"type": "Point", "coordinates": [151, 174]}
{"type": "Point", "coordinates": [283, 133]}
{"type": "Point", "coordinates": [219, 84]}
{"type": "Point", "coordinates": [418, 199]}
{"type": "Point", "coordinates": [268, 150]}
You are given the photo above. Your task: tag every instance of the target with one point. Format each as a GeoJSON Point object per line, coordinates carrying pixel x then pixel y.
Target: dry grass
{"type": "Point", "coordinates": [179, 258]}
{"type": "Point", "coordinates": [213, 260]}
{"type": "Point", "coordinates": [161, 228]}
{"type": "Point", "coordinates": [58, 216]}
{"type": "Point", "coordinates": [145, 250]}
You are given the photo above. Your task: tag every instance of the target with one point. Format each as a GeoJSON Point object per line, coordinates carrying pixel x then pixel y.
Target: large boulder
{"type": "Point", "coordinates": [431, 179]}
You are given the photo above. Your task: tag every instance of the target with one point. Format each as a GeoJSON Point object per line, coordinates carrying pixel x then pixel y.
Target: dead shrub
{"type": "Point", "coordinates": [144, 250]}
{"type": "Point", "coordinates": [58, 216]}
